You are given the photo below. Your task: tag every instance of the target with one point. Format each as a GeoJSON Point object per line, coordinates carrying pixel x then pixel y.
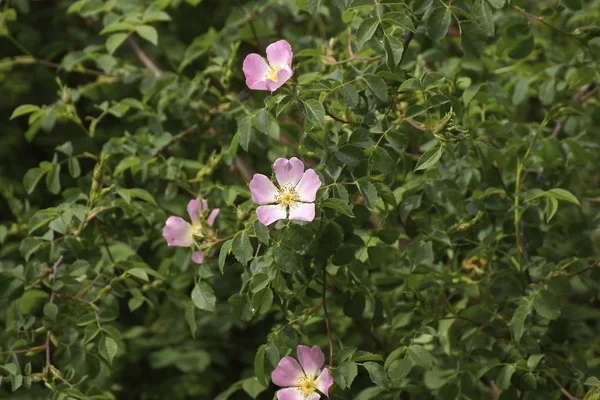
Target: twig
{"type": "Point", "coordinates": [564, 391]}
{"type": "Point", "coordinates": [52, 296]}
{"type": "Point", "coordinates": [243, 169]}
{"type": "Point", "coordinates": [543, 21]}
{"type": "Point", "coordinates": [144, 58]}
{"type": "Point", "coordinates": [405, 44]}
{"type": "Point", "coordinates": [339, 119]}
{"type": "Point", "coordinates": [174, 139]}
{"type": "Point", "coordinates": [327, 323]}
{"type": "Point", "coordinates": [581, 271]}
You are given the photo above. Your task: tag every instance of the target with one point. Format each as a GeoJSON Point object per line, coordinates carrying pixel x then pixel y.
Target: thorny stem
{"type": "Point", "coordinates": [52, 296]}
{"type": "Point", "coordinates": [144, 58]}
{"type": "Point", "coordinates": [327, 322]}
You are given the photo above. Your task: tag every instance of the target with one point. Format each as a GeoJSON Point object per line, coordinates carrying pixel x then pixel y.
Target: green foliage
{"type": "Point", "coordinates": [455, 251]}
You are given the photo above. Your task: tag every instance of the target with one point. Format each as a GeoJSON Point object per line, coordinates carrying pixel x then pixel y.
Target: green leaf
{"type": "Point", "coordinates": [350, 95]}
{"type": "Point", "coordinates": [242, 247]}
{"type": "Point", "coordinates": [377, 374]}
{"type": "Point", "coordinates": [225, 250]}
{"type": "Point", "coordinates": [315, 112]}
{"type": "Point", "coordinates": [534, 360]}
{"type": "Point", "coordinates": [393, 51]}
{"type": "Point", "coordinates": [472, 39]}
{"type": "Point", "coordinates": [348, 371]}
{"type": "Point", "coordinates": [139, 273]}
{"type": "Point", "coordinates": [523, 48]}
{"type": "Point", "coordinates": [504, 376]}
{"type": "Point", "coordinates": [497, 3]}
{"type": "Point", "coordinates": [253, 387]}
{"type": "Point", "coordinates": [32, 178]}
{"type": "Point", "coordinates": [245, 132]}
{"type": "Point", "coordinates": [313, 6]}
{"type": "Point", "coordinates": [114, 41]}
{"type": "Point", "coordinates": [565, 195]}
{"type": "Point", "coordinates": [546, 304]}
{"type": "Point", "coordinates": [485, 18]}
{"type": "Point", "coordinates": [261, 121]}
{"type": "Point", "coordinates": [419, 355]}
{"type": "Point", "coordinates": [142, 194]}
{"type": "Point", "coordinates": [262, 301]}
{"type": "Point", "coordinates": [190, 318]}
{"type": "Point", "coordinates": [517, 323]}
{"type": "Point", "coordinates": [108, 347]}
{"type": "Point", "coordinates": [339, 206]}
{"type": "Point", "coordinates": [23, 110]}
{"type": "Point", "coordinates": [203, 297]}
{"type": "Point", "coordinates": [429, 158]}
{"type": "Point", "coordinates": [41, 218]}
{"type": "Point", "coordinates": [51, 311]}
{"type": "Point", "coordinates": [74, 168]}
{"type": "Point", "coordinates": [399, 370]}
{"type": "Point", "coordinates": [365, 31]}
{"type": "Point", "coordinates": [148, 33]}
{"type": "Point", "coordinates": [53, 179]}
{"type": "Point", "coordinates": [438, 23]}
{"type": "Point", "coordinates": [259, 365]}
{"type": "Point", "coordinates": [261, 231]}
{"type": "Point", "coordinates": [10, 368]}
{"type": "Point", "coordinates": [378, 86]}
{"type": "Point", "coordinates": [369, 193]}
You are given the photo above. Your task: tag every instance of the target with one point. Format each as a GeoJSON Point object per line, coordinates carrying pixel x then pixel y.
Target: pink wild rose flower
{"type": "Point", "coordinates": [263, 76]}
{"type": "Point", "coordinates": [178, 232]}
{"type": "Point", "coordinates": [302, 381]}
{"type": "Point", "coordinates": [293, 198]}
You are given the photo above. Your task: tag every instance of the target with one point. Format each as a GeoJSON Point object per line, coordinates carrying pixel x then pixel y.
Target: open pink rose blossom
{"type": "Point", "coordinates": [302, 381]}
{"type": "Point", "coordinates": [293, 198]}
{"type": "Point", "coordinates": [178, 232]}
{"type": "Point", "coordinates": [263, 76]}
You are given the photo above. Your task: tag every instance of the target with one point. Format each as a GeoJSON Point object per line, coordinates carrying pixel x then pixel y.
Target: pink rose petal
{"type": "Point", "coordinates": [255, 69]}
{"type": "Point", "coordinates": [293, 393]}
{"type": "Point", "coordinates": [311, 359]}
{"type": "Point", "coordinates": [288, 172]}
{"type": "Point", "coordinates": [193, 208]}
{"type": "Point", "coordinates": [198, 257]}
{"type": "Point", "coordinates": [262, 189]}
{"type": "Point", "coordinates": [178, 232]}
{"type": "Point", "coordinates": [308, 186]}
{"type": "Point", "coordinates": [271, 213]}
{"type": "Point", "coordinates": [287, 373]}
{"type": "Point", "coordinates": [283, 75]}
{"type": "Point", "coordinates": [324, 382]}
{"type": "Point", "coordinates": [280, 53]}
{"type": "Point", "coordinates": [212, 216]}
{"type": "Point", "coordinates": [302, 211]}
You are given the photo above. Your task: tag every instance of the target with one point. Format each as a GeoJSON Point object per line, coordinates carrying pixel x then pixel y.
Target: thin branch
{"type": "Point", "coordinates": [175, 138]}
{"type": "Point", "coordinates": [564, 391]}
{"type": "Point", "coordinates": [243, 168]}
{"type": "Point", "coordinates": [405, 43]}
{"type": "Point", "coordinates": [52, 296]}
{"type": "Point", "coordinates": [327, 322]}
{"type": "Point", "coordinates": [148, 62]}
{"type": "Point", "coordinates": [333, 116]}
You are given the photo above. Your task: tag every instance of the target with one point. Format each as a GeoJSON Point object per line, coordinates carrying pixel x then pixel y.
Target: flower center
{"type": "Point", "coordinates": [306, 384]}
{"type": "Point", "coordinates": [287, 196]}
{"type": "Point", "coordinates": [272, 72]}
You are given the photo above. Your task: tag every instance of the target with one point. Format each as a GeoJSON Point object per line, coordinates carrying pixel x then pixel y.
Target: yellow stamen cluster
{"type": "Point", "coordinates": [272, 72]}
{"type": "Point", "coordinates": [306, 384]}
{"type": "Point", "coordinates": [286, 196]}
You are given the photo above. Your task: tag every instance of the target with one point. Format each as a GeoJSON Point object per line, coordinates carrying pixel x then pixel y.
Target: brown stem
{"type": "Point", "coordinates": [175, 138]}
{"type": "Point", "coordinates": [327, 322]}
{"type": "Point", "coordinates": [243, 169]}
{"type": "Point", "coordinates": [52, 296]}
{"type": "Point", "coordinates": [339, 119]}
{"type": "Point", "coordinates": [564, 391]}
{"type": "Point", "coordinates": [148, 62]}
{"type": "Point", "coordinates": [405, 43]}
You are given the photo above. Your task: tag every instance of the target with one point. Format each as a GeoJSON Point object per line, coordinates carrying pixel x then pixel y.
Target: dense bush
{"type": "Point", "coordinates": [454, 247]}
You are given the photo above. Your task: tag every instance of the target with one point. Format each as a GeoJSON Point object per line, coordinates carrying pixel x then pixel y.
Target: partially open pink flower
{"type": "Point", "coordinates": [302, 381]}
{"type": "Point", "coordinates": [293, 199]}
{"type": "Point", "coordinates": [263, 76]}
{"type": "Point", "coordinates": [178, 232]}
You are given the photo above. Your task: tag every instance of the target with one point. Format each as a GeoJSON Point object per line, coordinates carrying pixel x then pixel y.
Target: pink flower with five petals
{"type": "Point", "coordinates": [263, 76]}
{"type": "Point", "coordinates": [293, 199]}
{"type": "Point", "coordinates": [302, 381]}
{"type": "Point", "coordinates": [178, 232]}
